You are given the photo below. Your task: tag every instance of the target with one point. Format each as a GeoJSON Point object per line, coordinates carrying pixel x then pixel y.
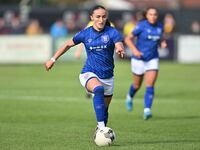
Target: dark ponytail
{"type": "Point", "coordinates": [108, 23]}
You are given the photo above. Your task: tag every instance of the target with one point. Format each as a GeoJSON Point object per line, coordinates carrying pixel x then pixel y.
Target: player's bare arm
{"type": "Point", "coordinates": [49, 64]}
{"type": "Point", "coordinates": [128, 40]}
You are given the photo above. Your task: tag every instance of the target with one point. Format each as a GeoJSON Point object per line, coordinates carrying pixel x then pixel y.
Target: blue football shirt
{"type": "Point", "coordinates": [100, 49]}
{"type": "Point", "coordinates": [148, 39]}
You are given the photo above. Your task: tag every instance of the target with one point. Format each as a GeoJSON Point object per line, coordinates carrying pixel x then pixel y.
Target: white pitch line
{"type": "Point", "coordinates": [60, 98]}
{"type": "Point", "coordinates": [77, 99]}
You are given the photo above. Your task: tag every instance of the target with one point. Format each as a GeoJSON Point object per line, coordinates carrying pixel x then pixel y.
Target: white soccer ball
{"type": "Point", "coordinates": [104, 136]}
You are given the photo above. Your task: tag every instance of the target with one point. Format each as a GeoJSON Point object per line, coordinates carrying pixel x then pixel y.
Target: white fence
{"type": "Point", "coordinates": [38, 49]}
{"type": "Point", "coordinates": [25, 49]}
{"type": "Point", "coordinates": [188, 49]}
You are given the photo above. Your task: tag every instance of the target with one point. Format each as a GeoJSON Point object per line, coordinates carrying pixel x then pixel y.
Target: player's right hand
{"type": "Point", "coordinates": [49, 64]}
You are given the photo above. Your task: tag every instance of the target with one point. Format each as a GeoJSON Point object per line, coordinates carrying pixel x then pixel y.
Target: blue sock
{"type": "Point", "coordinates": [148, 98]}
{"type": "Point", "coordinates": [98, 102]}
{"type": "Point", "coordinates": [106, 115]}
{"type": "Point", "coordinates": [132, 91]}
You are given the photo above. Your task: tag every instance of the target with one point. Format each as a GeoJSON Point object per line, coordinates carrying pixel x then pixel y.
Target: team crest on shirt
{"type": "Point", "coordinates": [105, 38]}
{"type": "Point", "coordinates": [148, 30]}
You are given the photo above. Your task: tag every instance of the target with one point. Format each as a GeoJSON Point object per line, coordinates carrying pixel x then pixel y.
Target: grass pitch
{"type": "Point", "coordinates": [42, 110]}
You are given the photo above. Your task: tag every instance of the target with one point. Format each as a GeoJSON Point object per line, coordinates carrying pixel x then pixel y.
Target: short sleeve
{"type": "Point", "coordinates": [117, 37]}
{"type": "Point", "coordinates": [138, 29]}
{"type": "Point", "coordinates": [78, 37]}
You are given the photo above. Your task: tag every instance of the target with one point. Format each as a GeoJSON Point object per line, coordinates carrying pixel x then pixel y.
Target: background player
{"type": "Point", "coordinates": [145, 59]}
{"type": "Point", "coordinates": [97, 74]}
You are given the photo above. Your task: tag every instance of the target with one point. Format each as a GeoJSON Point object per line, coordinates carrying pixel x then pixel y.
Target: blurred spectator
{"type": "Point", "coordinates": [195, 27]}
{"type": "Point", "coordinates": [70, 21]}
{"type": "Point", "coordinates": [34, 28]}
{"type": "Point", "coordinates": [169, 28]}
{"type": "Point", "coordinates": [11, 24]}
{"type": "Point", "coordinates": [8, 16]}
{"type": "Point", "coordinates": [169, 23]}
{"type": "Point", "coordinates": [3, 28]}
{"type": "Point", "coordinates": [5, 22]}
{"type": "Point", "coordinates": [129, 26]}
{"type": "Point", "coordinates": [58, 29]}
{"type": "Point", "coordinates": [140, 15]}
{"type": "Point", "coordinates": [82, 20]}
{"type": "Point", "coordinates": [131, 21]}
{"type": "Point", "coordinates": [16, 26]}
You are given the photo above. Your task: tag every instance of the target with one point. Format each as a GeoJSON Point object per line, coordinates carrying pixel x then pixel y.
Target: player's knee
{"type": "Point", "coordinates": [137, 86]}
{"type": "Point", "coordinates": [99, 90]}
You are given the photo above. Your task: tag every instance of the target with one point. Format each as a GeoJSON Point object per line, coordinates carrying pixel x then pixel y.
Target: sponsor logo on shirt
{"type": "Point", "coordinates": [153, 37]}
{"type": "Point", "coordinates": [98, 48]}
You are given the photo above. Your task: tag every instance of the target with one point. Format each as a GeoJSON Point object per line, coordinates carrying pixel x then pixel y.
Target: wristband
{"type": "Point", "coordinates": [53, 60]}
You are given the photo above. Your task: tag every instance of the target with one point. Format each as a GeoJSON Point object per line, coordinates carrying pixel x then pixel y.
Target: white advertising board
{"type": "Point", "coordinates": [25, 49]}
{"type": "Point", "coordinates": [188, 49]}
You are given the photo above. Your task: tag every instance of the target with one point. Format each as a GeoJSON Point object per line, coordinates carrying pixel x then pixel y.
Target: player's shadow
{"type": "Point", "coordinates": [162, 142]}
{"type": "Point", "coordinates": [176, 118]}
{"type": "Point", "coordinates": [134, 143]}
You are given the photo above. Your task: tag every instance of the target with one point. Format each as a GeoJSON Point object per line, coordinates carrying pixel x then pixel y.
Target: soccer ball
{"type": "Point", "coordinates": [104, 136]}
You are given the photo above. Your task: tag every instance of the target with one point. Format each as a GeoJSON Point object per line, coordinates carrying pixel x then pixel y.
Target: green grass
{"type": "Point", "coordinates": [48, 110]}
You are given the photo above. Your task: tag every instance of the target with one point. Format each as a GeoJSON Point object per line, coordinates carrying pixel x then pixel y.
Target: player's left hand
{"type": "Point", "coordinates": [120, 52]}
{"type": "Point", "coordinates": [120, 49]}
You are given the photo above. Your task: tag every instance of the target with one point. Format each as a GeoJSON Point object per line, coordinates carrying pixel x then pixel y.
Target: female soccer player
{"type": "Point", "coordinates": [145, 59]}
{"type": "Point", "coordinates": [97, 74]}
{"type": "Point", "coordinates": [80, 49]}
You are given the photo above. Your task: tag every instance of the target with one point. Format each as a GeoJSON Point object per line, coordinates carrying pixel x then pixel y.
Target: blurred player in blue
{"type": "Point", "coordinates": [145, 59]}
{"type": "Point", "coordinates": [100, 41]}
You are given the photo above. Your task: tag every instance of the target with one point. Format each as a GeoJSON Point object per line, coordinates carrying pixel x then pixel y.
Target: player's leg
{"type": "Point", "coordinates": [92, 84]}
{"type": "Point", "coordinates": [137, 67]}
{"type": "Point", "coordinates": [137, 81]}
{"type": "Point", "coordinates": [107, 100]}
{"type": "Point", "coordinates": [89, 94]}
{"type": "Point", "coordinates": [95, 86]}
{"type": "Point", "coordinates": [150, 79]}
{"type": "Point", "coordinates": [108, 85]}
